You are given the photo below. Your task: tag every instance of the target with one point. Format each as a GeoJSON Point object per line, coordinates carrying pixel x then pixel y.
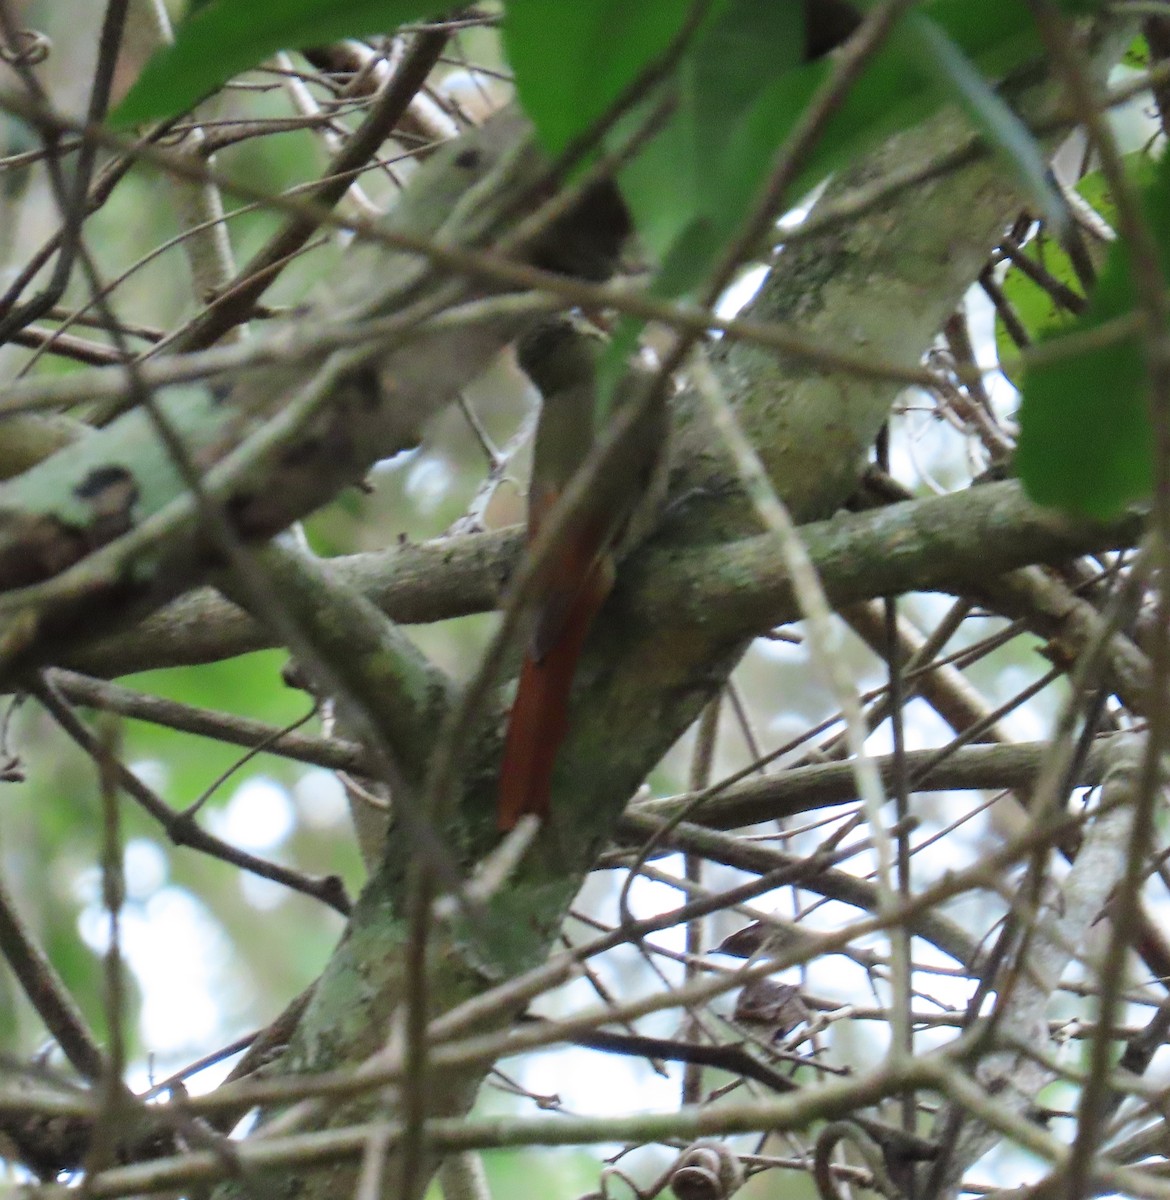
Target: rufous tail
{"type": "Point", "coordinates": [539, 719]}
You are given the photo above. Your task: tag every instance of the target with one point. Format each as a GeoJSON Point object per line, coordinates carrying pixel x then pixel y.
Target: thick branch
{"type": "Point", "coordinates": [730, 592]}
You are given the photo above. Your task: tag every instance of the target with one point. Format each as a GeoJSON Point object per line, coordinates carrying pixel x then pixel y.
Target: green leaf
{"type": "Point", "coordinates": [660, 185]}
{"type": "Point", "coordinates": [1140, 167]}
{"type": "Point", "coordinates": [573, 60]}
{"type": "Point", "coordinates": [745, 48]}
{"type": "Point", "coordinates": [1032, 303]}
{"type": "Point", "coordinates": [748, 45]}
{"type": "Point", "coordinates": [224, 37]}
{"type": "Point", "coordinates": [1086, 444]}
{"type": "Point", "coordinates": [689, 194]}
{"type": "Point", "coordinates": [1138, 55]}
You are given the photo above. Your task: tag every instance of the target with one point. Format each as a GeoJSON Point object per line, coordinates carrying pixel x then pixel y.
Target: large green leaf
{"type": "Point", "coordinates": [573, 60]}
{"type": "Point", "coordinates": [1086, 444]}
{"type": "Point", "coordinates": [690, 190]}
{"type": "Point", "coordinates": [224, 37]}
{"type": "Point", "coordinates": [684, 201]}
{"type": "Point", "coordinates": [748, 45]}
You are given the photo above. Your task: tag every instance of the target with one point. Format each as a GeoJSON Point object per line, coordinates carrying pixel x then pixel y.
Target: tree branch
{"type": "Point", "coordinates": [731, 591]}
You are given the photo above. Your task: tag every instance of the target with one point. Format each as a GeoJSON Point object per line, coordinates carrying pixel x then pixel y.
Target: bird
{"type": "Point", "coordinates": [560, 356]}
